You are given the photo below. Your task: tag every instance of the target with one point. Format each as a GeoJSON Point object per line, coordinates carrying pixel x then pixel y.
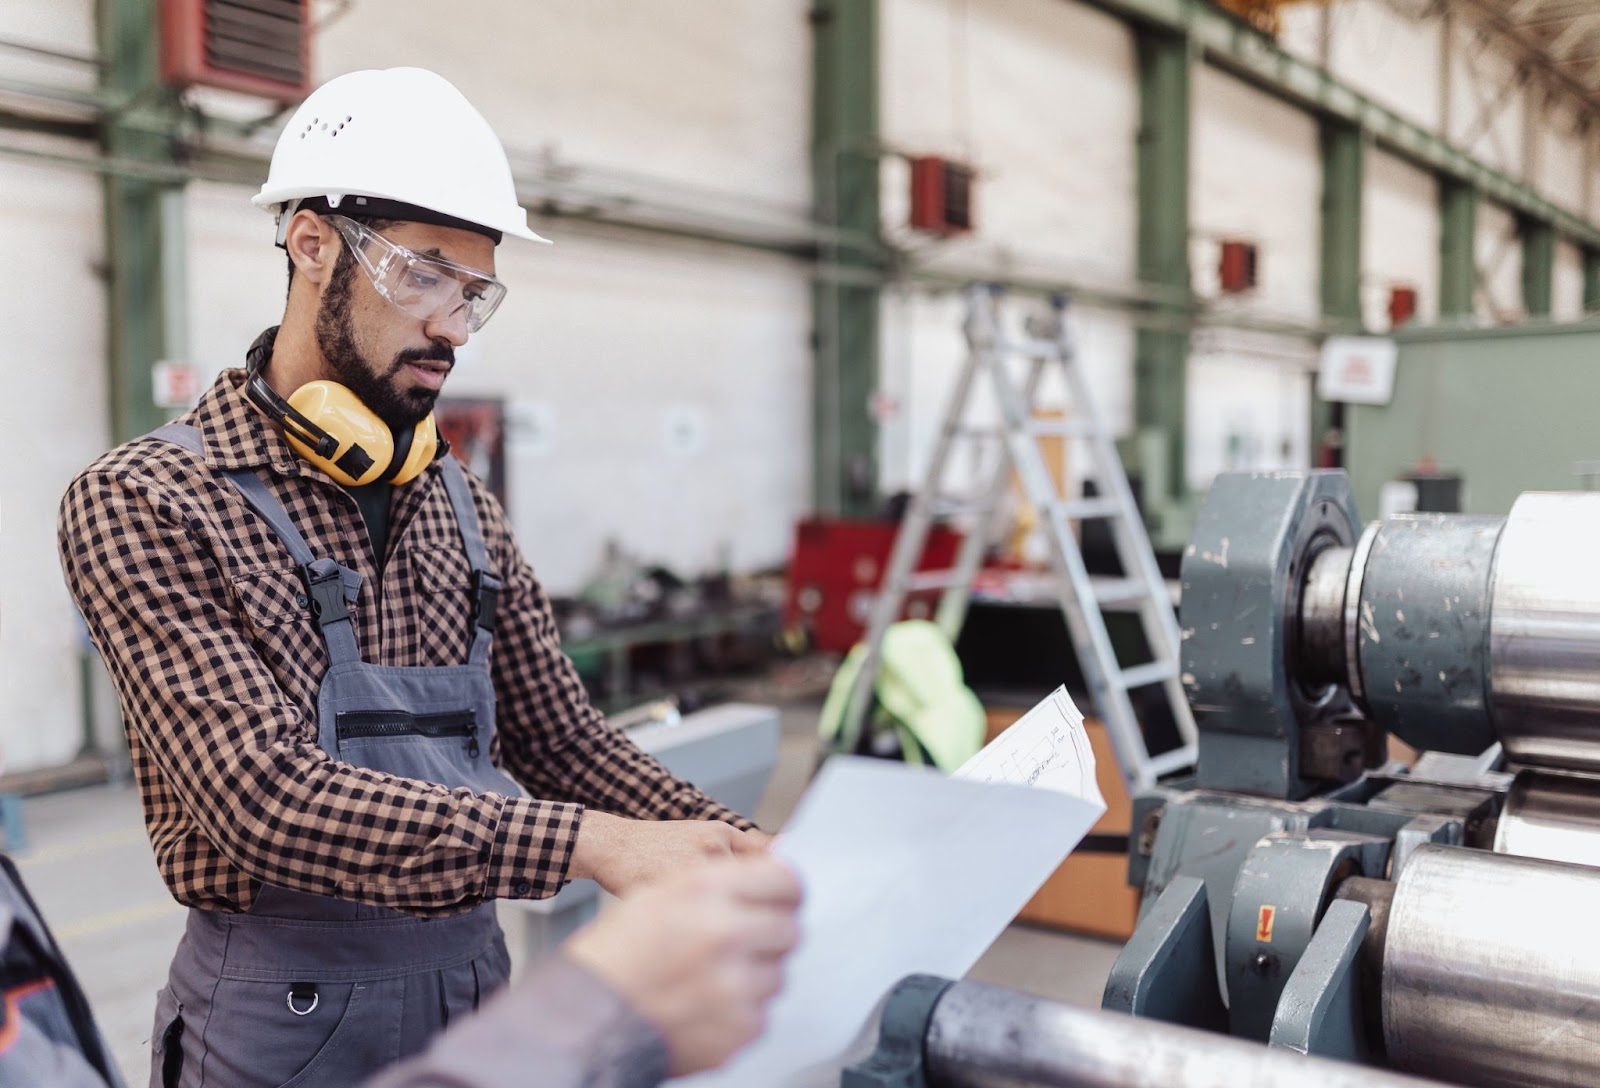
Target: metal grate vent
{"type": "Point", "coordinates": [259, 38]}
{"type": "Point", "coordinates": [259, 47]}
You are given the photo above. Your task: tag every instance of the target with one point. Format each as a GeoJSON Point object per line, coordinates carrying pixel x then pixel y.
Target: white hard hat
{"type": "Point", "coordinates": [395, 136]}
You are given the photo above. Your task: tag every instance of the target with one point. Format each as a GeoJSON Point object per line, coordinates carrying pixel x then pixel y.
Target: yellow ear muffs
{"type": "Point", "coordinates": [349, 442]}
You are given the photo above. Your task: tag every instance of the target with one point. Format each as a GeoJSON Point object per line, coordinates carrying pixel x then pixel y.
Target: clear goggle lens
{"type": "Point", "coordinates": [430, 288]}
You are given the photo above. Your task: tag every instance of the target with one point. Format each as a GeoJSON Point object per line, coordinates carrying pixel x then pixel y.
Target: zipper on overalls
{"type": "Point", "coordinates": [362, 724]}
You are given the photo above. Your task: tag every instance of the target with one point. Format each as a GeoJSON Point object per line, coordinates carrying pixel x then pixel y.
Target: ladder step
{"type": "Point", "coordinates": [951, 507]}
{"type": "Point", "coordinates": [1082, 509]}
{"type": "Point", "coordinates": [924, 580]}
{"type": "Point", "coordinates": [1115, 591]}
{"type": "Point", "coordinates": [1176, 760]}
{"type": "Point", "coordinates": [1034, 348]}
{"type": "Point", "coordinates": [1152, 672]}
{"type": "Point", "coordinates": [1061, 428]}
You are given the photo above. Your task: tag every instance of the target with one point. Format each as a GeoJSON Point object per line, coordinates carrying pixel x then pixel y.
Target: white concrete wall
{"type": "Point", "coordinates": [1498, 248]}
{"type": "Point", "coordinates": [1399, 238]}
{"type": "Point", "coordinates": [1257, 176]}
{"type": "Point", "coordinates": [1042, 97]}
{"type": "Point", "coordinates": [54, 410]}
{"type": "Point", "coordinates": [54, 413]}
{"type": "Point", "coordinates": [1566, 302]}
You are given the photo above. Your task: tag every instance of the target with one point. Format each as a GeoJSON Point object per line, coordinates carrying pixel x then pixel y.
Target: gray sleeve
{"type": "Point", "coordinates": [559, 1027]}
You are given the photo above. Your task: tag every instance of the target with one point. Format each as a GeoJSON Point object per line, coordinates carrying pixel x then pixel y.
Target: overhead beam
{"type": "Point", "coordinates": [1234, 47]}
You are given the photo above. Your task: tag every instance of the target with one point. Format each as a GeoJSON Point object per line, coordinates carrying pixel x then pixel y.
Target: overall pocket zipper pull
{"type": "Point", "coordinates": [472, 739]}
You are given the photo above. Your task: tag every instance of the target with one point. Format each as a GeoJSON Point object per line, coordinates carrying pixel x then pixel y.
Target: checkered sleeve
{"type": "Point", "coordinates": [240, 759]}
{"type": "Point", "coordinates": [552, 739]}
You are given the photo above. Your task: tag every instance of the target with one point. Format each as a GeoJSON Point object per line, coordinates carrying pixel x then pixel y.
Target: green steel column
{"type": "Point", "coordinates": [1343, 168]}
{"type": "Point", "coordinates": [844, 157]}
{"type": "Point", "coordinates": [1161, 355]}
{"type": "Point", "coordinates": [1591, 281]}
{"type": "Point", "coordinates": [1458, 262]}
{"type": "Point", "coordinates": [1538, 266]}
{"type": "Point", "coordinates": [1343, 181]}
{"type": "Point", "coordinates": [137, 307]}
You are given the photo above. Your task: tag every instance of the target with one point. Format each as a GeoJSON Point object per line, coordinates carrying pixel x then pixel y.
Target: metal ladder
{"type": "Point", "coordinates": [1047, 344]}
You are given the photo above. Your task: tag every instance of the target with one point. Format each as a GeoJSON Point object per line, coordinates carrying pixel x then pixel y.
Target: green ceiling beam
{"type": "Point", "coordinates": [1236, 48]}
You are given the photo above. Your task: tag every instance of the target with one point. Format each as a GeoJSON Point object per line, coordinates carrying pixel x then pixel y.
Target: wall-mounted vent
{"type": "Point", "coordinates": [259, 47]}
{"type": "Point", "coordinates": [1236, 266]}
{"type": "Point", "coordinates": [941, 195]}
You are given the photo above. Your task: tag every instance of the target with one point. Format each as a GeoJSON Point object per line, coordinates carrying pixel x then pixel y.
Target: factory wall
{"type": "Point", "coordinates": [658, 390]}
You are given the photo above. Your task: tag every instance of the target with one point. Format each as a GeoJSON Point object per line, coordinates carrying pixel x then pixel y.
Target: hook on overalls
{"type": "Point", "coordinates": [303, 991]}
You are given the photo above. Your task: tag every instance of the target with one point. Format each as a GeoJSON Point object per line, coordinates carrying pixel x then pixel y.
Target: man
{"type": "Point", "coordinates": [672, 980]}
{"type": "Point", "coordinates": [336, 668]}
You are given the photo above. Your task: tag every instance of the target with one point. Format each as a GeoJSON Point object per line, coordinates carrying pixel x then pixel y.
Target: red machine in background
{"type": "Point", "coordinates": [835, 572]}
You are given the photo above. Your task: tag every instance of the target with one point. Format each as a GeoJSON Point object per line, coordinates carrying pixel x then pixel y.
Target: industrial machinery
{"type": "Point", "coordinates": [1303, 890]}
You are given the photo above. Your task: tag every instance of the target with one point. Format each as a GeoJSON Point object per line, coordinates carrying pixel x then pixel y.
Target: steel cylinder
{"type": "Point", "coordinates": [1551, 816]}
{"type": "Point", "coordinates": [1322, 656]}
{"type": "Point", "coordinates": [1545, 634]}
{"type": "Point", "coordinates": [988, 1037]}
{"type": "Point", "coordinates": [1422, 630]}
{"type": "Point", "coordinates": [1491, 975]}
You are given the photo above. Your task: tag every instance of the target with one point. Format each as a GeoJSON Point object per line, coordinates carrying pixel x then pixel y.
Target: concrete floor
{"type": "Point", "coordinates": [89, 867]}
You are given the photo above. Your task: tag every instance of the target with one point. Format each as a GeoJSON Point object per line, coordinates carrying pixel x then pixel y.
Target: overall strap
{"type": "Point", "coordinates": [485, 586]}
{"type": "Point", "coordinates": [329, 586]}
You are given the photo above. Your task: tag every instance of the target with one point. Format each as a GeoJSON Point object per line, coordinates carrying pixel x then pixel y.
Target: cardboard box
{"type": "Point", "coordinates": [1089, 893]}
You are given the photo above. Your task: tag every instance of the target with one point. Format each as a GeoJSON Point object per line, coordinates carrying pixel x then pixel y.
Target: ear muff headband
{"type": "Point", "coordinates": [329, 427]}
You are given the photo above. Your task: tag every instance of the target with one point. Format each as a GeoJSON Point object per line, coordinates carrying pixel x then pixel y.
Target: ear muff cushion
{"type": "Point", "coordinates": [420, 454]}
{"type": "Point", "coordinates": [366, 445]}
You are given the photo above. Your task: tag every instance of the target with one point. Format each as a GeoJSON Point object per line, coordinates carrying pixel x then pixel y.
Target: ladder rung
{"type": "Point", "coordinates": [924, 580]}
{"type": "Point", "coordinates": [1120, 591]}
{"type": "Point", "coordinates": [1151, 672]}
{"type": "Point", "coordinates": [1060, 428]}
{"type": "Point", "coordinates": [950, 508]}
{"type": "Point", "coordinates": [1034, 348]}
{"type": "Point", "coordinates": [972, 430]}
{"type": "Point", "coordinates": [1176, 760]}
{"type": "Point", "coordinates": [1091, 508]}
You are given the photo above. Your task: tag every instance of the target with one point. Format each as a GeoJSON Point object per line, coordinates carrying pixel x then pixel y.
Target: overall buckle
{"type": "Point", "coordinates": [485, 599]}
{"type": "Point", "coordinates": [325, 588]}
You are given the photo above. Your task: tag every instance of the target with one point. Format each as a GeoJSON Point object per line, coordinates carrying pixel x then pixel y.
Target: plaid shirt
{"type": "Point", "coordinates": [195, 606]}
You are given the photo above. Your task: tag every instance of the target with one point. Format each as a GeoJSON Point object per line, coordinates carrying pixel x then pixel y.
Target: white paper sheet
{"type": "Point", "coordinates": [1046, 747]}
{"type": "Point", "coordinates": [905, 871]}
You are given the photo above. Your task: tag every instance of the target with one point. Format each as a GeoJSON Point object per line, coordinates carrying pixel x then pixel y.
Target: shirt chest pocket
{"type": "Point", "coordinates": [271, 599]}
{"type": "Point", "coordinates": [439, 607]}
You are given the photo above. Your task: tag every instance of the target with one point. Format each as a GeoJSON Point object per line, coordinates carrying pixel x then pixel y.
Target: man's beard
{"type": "Point", "coordinates": [401, 410]}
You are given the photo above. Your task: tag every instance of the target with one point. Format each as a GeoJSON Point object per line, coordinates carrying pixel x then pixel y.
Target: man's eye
{"type": "Point", "coordinates": [472, 292]}
{"type": "Point", "coordinates": [420, 281]}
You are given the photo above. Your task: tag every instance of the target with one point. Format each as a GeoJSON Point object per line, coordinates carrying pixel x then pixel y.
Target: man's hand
{"type": "Point", "coordinates": [622, 855]}
{"type": "Point", "coordinates": [699, 953]}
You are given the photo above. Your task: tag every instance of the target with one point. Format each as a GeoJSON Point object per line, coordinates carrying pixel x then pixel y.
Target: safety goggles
{"type": "Point", "coordinates": [430, 288]}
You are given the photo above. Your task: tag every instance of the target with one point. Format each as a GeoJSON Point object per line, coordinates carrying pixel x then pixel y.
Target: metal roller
{"type": "Point", "coordinates": [1551, 816]}
{"type": "Point", "coordinates": [1491, 974]}
{"type": "Point", "coordinates": [988, 1037]}
{"type": "Point", "coordinates": [1545, 632]}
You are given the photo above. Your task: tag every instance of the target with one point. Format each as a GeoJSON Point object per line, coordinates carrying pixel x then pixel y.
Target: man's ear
{"type": "Point", "coordinates": [313, 246]}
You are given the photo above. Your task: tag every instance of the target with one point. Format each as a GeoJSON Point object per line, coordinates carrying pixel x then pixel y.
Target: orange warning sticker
{"type": "Point", "coordinates": [1264, 923]}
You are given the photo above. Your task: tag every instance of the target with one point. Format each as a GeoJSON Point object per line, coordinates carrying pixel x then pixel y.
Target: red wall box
{"type": "Point", "coordinates": [941, 195]}
{"type": "Point", "coordinates": [259, 47]}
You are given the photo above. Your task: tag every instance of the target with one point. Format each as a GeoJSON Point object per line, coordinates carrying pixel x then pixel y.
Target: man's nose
{"type": "Point", "coordinates": [451, 328]}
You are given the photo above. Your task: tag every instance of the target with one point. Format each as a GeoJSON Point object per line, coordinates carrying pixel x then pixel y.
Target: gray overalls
{"type": "Point", "coordinates": [308, 990]}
